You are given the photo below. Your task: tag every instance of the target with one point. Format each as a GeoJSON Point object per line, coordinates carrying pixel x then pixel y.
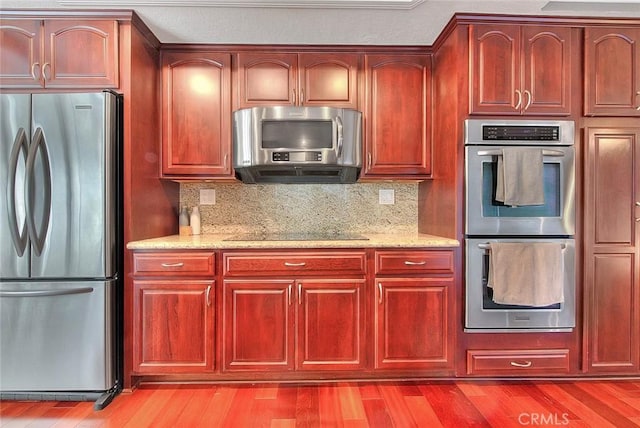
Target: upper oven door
{"type": "Point", "coordinates": [486, 216]}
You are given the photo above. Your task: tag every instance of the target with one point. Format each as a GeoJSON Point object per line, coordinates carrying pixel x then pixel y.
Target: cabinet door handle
{"type": "Point", "coordinates": [170, 265]}
{"type": "Point", "coordinates": [638, 204]}
{"type": "Point", "coordinates": [519, 102]}
{"type": "Point", "coordinates": [410, 263]}
{"type": "Point", "coordinates": [299, 293]}
{"type": "Point", "coordinates": [33, 70]}
{"type": "Point", "coordinates": [207, 296]}
{"type": "Point", "coordinates": [294, 97]}
{"type": "Point", "coordinates": [44, 71]}
{"type": "Point", "coordinates": [289, 264]}
{"type": "Point", "coordinates": [528, 94]}
{"type": "Point", "coordinates": [379, 293]}
{"type": "Point", "coordinates": [301, 96]}
{"type": "Point", "coordinates": [638, 108]}
{"type": "Point", "coordinates": [289, 294]}
{"type": "Point", "coordinates": [369, 160]}
{"type": "Point", "coordinates": [524, 365]}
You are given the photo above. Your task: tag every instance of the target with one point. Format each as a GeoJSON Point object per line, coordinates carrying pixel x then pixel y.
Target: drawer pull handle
{"type": "Point", "coordinates": [524, 365]}
{"type": "Point", "coordinates": [170, 265]}
{"type": "Point", "coordinates": [410, 263]}
{"type": "Point", "coordinates": [289, 264]}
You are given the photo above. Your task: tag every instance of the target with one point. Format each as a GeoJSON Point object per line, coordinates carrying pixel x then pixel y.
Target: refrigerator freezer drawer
{"type": "Point", "coordinates": [57, 336]}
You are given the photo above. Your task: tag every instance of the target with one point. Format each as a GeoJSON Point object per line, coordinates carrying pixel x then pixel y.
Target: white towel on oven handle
{"type": "Point", "coordinates": [526, 274]}
{"type": "Point", "coordinates": [520, 176]}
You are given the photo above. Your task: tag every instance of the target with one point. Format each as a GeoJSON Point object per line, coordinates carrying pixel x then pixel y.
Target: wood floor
{"type": "Point", "coordinates": [391, 404]}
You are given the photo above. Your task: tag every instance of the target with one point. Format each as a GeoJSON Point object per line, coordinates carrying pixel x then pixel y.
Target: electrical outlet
{"type": "Point", "coordinates": [207, 196]}
{"type": "Point", "coordinates": [386, 197]}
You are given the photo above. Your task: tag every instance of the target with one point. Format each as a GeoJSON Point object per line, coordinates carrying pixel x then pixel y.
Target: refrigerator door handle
{"type": "Point", "coordinates": [19, 237]}
{"type": "Point", "coordinates": [38, 144]}
{"type": "Point", "coordinates": [46, 293]}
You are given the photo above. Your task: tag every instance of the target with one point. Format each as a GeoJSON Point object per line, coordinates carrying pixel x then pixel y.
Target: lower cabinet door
{"type": "Point", "coordinates": [173, 326]}
{"type": "Point", "coordinates": [257, 325]}
{"type": "Point", "coordinates": [330, 324]}
{"type": "Point", "coordinates": [413, 326]}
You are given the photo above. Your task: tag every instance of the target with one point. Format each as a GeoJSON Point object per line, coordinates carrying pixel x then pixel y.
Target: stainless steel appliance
{"type": "Point", "coordinates": [59, 252]}
{"type": "Point", "coordinates": [297, 145]}
{"type": "Point", "coordinates": [487, 220]}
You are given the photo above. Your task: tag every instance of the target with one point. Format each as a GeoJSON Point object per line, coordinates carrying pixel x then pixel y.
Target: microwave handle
{"type": "Point", "coordinates": [340, 135]}
{"type": "Point", "coordinates": [556, 153]}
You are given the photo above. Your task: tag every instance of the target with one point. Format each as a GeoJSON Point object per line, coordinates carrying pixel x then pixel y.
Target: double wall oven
{"type": "Point", "coordinates": [489, 221]}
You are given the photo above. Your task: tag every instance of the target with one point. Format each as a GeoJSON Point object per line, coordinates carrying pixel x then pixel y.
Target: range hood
{"type": "Point", "coordinates": [297, 145]}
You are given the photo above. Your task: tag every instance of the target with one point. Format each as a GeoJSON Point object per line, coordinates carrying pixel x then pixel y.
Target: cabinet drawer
{"type": "Point", "coordinates": [297, 264]}
{"type": "Point", "coordinates": [518, 362]}
{"type": "Point", "coordinates": [188, 263]}
{"type": "Point", "coordinates": [393, 262]}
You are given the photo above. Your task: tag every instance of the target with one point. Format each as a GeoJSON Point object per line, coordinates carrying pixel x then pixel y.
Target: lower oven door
{"type": "Point", "coordinates": [483, 314]}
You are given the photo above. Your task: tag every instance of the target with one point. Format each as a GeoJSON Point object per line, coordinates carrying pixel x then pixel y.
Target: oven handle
{"type": "Point", "coordinates": [487, 246]}
{"type": "Point", "coordinates": [498, 152]}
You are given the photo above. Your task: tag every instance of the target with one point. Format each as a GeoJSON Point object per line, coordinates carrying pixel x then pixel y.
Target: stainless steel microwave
{"type": "Point", "coordinates": [297, 144]}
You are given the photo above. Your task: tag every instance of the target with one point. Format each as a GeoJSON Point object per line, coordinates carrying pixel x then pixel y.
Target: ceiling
{"type": "Point", "coordinates": [334, 25]}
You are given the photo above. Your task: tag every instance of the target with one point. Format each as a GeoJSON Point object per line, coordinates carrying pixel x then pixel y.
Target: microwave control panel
{"type": "Point", "coordinates": [296, 156]}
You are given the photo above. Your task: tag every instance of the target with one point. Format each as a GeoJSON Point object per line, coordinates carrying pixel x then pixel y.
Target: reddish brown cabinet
{"type": "Point", "coordinates": [612, 71]}
{"type": "Point", "coordinates": [196, 114]}
{"type": "Point", "coordinates": [306, 320]}
{"type": "Point", "coordinates": [59, 53]}
{"type": "Point", "coordinates": [306, 79]}
{"type": "Point", "coordinates": [397, 117]}
{"type": "Point", "coordinates": [174, 308]}
{"type": "Point", "coordinates": [520, 69]}
{"type": "Point", "coordinates": [413, 310]}
{"type": "Point", "coordinates": [612, 250]}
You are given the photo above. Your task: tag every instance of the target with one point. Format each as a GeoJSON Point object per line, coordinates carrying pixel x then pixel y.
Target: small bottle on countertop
{"type": "Point", "coordinates": [195, 221]}
{"type": "Point", "coordinates": [183, 219]}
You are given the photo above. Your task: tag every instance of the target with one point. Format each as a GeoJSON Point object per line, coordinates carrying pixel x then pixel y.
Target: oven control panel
{"type": "Point", "coordinates": [522, 133]}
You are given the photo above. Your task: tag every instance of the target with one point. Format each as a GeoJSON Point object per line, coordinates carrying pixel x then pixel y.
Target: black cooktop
{"type": "Point", "coordinates": [295, 236]}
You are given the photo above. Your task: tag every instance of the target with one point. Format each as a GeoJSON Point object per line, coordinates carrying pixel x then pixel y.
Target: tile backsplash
{"type": "Point", "coordinates": [308, 208]}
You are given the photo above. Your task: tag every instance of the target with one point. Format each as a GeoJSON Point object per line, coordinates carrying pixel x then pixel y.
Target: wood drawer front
{"type": "Point", "coordinates": [188, 263]}
{"type": "Point", "coordinates": [393, 262]}
{"type": "Point", "coordinates": [296, 264]}
{"type": "Point", "coordinates": [518, 362]}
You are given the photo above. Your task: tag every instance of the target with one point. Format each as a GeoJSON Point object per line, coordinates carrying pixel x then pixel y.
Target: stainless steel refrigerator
{"type": "Point", "coordinates": [59, 246]}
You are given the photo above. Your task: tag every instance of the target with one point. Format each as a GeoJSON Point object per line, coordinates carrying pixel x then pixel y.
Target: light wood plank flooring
{"type": "Point", "coordinates": [584, 403]}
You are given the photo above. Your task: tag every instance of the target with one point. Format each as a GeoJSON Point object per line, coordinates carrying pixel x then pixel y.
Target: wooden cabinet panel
{"type": "Point", "coordinates": [414, 262]}
{"type": "Point", "coordinates": [517, 362]}
{"type": "Point", "coordinates": [187, 263]}
{"type": "Point", "coordinates": [59, 54]}
{"type": "Point", "coordinates": [293, 263]}
{"type": "Point", "coordinates": [519, 70]}
{"type": "Point", "coordinates": [20, 53]}
{"type": "Point", "coordinates": [321, 79]}
{"type": "Point", "coordinates": [612, 250]}
{"type": "Point", "coordinates": [196, 112]}
{"type": "Point", "coordinates": [173, 326]}
{"type": "Point", "coordinates": [330, 323]}
{"type": "Point", "coordinates": [612, 71]}
{"type": "Point", "coordinates": [412, 325]}
{"type": "Point", "coordinates": [397, 126]}
{"type": "Point", "coordinates": [257, 325]}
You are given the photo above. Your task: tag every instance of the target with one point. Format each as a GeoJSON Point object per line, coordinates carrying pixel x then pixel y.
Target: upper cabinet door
{"type": "Point", "coordinates": [318, 79]}
{"type": "Point", "coordinates": [196, 114]}
{"type": "Point", "coordinates": [328, 80]}
{"type": "Point", "coordinates": [495, 69]}
{"type": "Point", "coordinates": [266, 79]}
{"type": "Point", "coordinates": [520, 70]}
{"type": "Point", "coordinates": [72, 54]}
{"type": "Point", "coordinates": [612, 71]}
{"type": "Point", "coordinates": [20, 53]}
{"type": "Point", "coordinates": [397, 125]}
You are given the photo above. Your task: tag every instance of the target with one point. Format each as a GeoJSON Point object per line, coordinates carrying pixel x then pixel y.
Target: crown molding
{"type": "Point", "coordinates": [310, 4]}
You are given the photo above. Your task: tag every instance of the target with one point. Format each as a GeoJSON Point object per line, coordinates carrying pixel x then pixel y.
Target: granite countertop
{"type": "Point", "coordinates": [221, 241]}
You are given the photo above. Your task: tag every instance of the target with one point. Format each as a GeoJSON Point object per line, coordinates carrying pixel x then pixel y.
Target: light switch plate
{"type": "Point", "coordinates": [207, 196]}
{"type": "Point", "coordinates": [386, 197]}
